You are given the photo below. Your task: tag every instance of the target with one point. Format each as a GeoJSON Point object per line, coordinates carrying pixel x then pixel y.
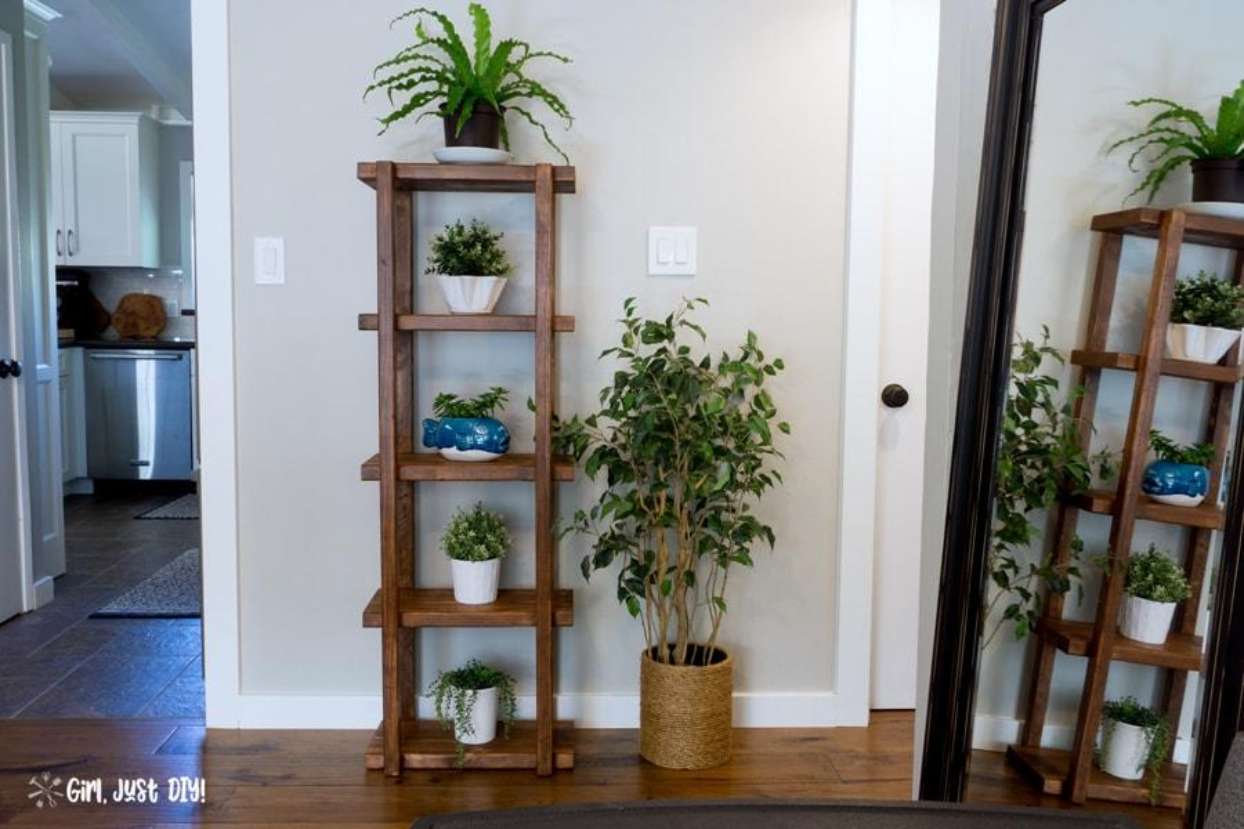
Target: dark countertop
{"type": "Point", "coordinates": [157, 345]}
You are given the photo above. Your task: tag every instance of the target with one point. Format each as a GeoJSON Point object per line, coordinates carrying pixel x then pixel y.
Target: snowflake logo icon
{"type": "Point", "coordinates": [44, 790]}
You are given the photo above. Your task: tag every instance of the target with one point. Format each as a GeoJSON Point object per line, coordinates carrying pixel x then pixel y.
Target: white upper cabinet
{"type": "Point", "coordinates": [105, 210]}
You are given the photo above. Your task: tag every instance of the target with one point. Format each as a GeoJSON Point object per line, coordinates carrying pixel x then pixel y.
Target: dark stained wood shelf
{"type": "Point", "coordinates": [469, 178]}
{"type": "Point", "coordinates": [1182, 651]}
{"type": "Point", "coordinates": [435, 608]}
{"type": "Point", "coordinates": [1048, 769]}
{"type": "Point", "coordinates": [429, 466]}
{"type": "Point", "coordinates": [1199, 229]}
{"type": "Point", "coordinates": [425, 745]}
{"type": "Point", "coordinates": [1171, 368]}
{"type": "Point", "coordinates": [1207, 516]}
{"type": "Point", "coordinates": [466, 322]}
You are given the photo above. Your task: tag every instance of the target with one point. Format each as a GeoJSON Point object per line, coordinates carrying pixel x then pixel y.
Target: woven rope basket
{"type": "Point", "coordinates": [685, 713]}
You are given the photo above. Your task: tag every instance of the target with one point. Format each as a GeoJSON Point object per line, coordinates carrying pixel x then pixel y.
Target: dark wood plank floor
{"type": "Point", "coordinates": [58, 662]}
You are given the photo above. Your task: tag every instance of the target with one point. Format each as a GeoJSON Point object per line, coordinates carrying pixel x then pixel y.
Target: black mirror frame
{"type": "Point", "coordinates": [983, 382]}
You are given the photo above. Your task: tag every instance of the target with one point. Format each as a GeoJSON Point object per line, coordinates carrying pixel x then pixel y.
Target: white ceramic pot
{"type": "Point", "coordinates": [1143, 620]}
{"type": "Point", "coordinates": [483, 719]}
{"type": "Point", "coordinates": [475, 582]}
{"type": "Point", "coordinates": [1199, 343]}
{"type": "Point", "coordinates": [471, 294]}
{"type": "Point", "coordinates": [1123, 750]}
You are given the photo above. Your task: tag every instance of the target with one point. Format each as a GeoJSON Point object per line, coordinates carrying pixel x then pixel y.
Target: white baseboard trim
{"type": "Point", "coordinates": [44, 591]}
{"type": "Point", "coordinates": [751, 710]}
{"type": "Point", "coordinates": [991, 733]}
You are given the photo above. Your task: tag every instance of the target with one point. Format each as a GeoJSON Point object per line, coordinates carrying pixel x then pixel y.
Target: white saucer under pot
{"type": "Point", "coordinates": [471, 155]}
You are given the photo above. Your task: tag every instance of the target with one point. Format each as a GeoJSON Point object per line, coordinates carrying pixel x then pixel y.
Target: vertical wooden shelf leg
{"type": "Point", "coordinates": [1083, 409]}
{"type": "Point", "coordinates": [1135, 448]}
{"type": "Point", "coordinates": [546, 399]}
{"type": "Point", "coordinates": [394, 275]}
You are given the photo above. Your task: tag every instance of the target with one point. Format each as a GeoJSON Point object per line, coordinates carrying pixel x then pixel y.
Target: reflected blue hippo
{"type": "Point", "coordinates": [467, 438]}
{"type": "Point", "coordinates": [1180, 484]}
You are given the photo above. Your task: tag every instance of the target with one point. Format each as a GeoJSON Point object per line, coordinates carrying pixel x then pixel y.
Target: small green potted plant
{"type": "Point", "coordinates": [470, 700]}
{"type": "Point", "coordinates": [1180, 475]}
{"type": "Point", "coordinates": [1134, 740]}
{"type": "Point", "coordinates": [465, 429]}
{"type": "Point", "coordinates": [1178, 135]}
{"type": "Point", "coordinates": [471, 90]}
{"type": "Point", "coordinates": [685, 443]}
{"type": "Point", "coordinates": [1207, 314]}
{"type": "Point", "coordinates": [470, 266]}
{"type": "Point", "coordinates": [1153, 587]}
{"type": "Point", "coordinates": [475, 542]}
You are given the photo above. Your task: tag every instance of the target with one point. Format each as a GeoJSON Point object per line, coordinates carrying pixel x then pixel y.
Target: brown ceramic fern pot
{"type": "Point", "coordinates": [482, 129]}
{"type": "Point", "coordinates": [1218, 180]}
{"type": "Point", "coordinates": [685, 711]}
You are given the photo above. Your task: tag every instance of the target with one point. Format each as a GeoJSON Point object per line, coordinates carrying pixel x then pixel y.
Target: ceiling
{"type": "Point", "coordinates": [121, 54]}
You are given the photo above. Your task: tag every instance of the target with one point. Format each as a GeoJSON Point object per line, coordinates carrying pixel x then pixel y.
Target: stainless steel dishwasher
{"type": "Point", "coordinates": [138, 417]}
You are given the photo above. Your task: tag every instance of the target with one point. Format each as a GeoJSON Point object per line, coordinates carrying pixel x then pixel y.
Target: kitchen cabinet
{"type": "Point", "coordinates": [105, 192]}
{"type": "Point", "coordinates": [72, 414]}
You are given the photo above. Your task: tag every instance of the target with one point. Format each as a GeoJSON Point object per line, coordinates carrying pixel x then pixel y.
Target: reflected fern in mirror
{"type": "Point", "coordinates": [1039, 457]}
{"type": "Point", "coordinates": [1179, 135]}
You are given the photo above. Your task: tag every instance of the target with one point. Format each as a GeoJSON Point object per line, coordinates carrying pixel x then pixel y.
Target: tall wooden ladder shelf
{"type": "Point", "coordinates": [399, 608]}
{"type": "Point", "coordinates": [1071, 773]}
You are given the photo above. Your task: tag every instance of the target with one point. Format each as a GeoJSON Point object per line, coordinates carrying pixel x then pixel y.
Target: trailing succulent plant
{"type": "Point", "coordinates": [686, 445]}
{"type": "Point", "coordinates": [461, 250]}
{"type": "Point", "coordinates": [1200, 454]}
{"type": "Point", "coordinates": [1157, 736]}
{"type": "Point", "coordinates": [439, 75]}
{"type": "Point", "coordinates": [1179, 135]}
{"type": "Point", "coordinates": [1039, 457]}
{"type": "Point", "coordinates": [478, 535]}
{"type": "Point", "coordinates": [453, 694]}
{"type": "Point", "coordinates": [1154, 576]}
{"type": "Point", "coordinates": [1207, 300]}
{"type": "Point", "coordinates": [482, 405]}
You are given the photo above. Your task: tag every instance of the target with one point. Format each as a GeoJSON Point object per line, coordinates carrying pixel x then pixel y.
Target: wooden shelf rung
{"type": "Point", "coordinates": [425, 745]}
{"type": "Point", "coordinates": [1048, 768]}
{"type": "Point", "coordinates": [1211, 373]}
{"type": "Point", "coordinates": [429, 466]}
{"type": "Point", "coordinates": [1199, 229]}
{"type": "Point", "coordinates": [469, 178]}
{"type": "Point", "coordinates": [1181, 652]}
{"type": "Point", "coordinates": [466, 322]}
{"type": "Point", "coordinates": [1207, 516]}
{"type": "Point", "coordinates": [435, 607]}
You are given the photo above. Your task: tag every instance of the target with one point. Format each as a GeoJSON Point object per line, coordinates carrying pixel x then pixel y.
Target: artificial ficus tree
{"type": "Point", "coordinates": [686, 447]}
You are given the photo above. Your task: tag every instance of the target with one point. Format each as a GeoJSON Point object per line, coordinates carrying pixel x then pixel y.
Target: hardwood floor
{"type": "Point", "coordinates": [287, 778]}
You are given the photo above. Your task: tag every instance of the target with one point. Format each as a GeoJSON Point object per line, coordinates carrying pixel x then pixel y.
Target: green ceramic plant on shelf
{"type": "Point", "coordinates": [685, 444]}
{"type": "Point", "coordinates": [1134, 740]}
{"type": "Point", "coordinates": [470, 90]}
{"type": "Point", "coordinates": [1154, 586]}
{"type": "Point", "coordinates": [470, 700]}
{"type": "Point", "coordinates": [1207, 314]}
{"type": "Point", "coordinates": [470, 266]}
{"type": "Point", "coordinates": [475, 543]}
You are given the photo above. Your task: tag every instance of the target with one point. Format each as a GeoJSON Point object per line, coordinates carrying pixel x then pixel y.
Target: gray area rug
{"type": "Point", "coordinates": [175, 591]}
{"type": "Point", "coordinates": [185, 508]}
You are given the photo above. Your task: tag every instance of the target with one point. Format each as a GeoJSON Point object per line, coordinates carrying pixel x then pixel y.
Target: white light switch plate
{"type": "Point", "coordinates": [269, 260]}
{"type": "Point", "coordinates": [671, 251]}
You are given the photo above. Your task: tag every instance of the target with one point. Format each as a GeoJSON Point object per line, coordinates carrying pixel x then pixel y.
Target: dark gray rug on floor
{"type": "Point", "coordinates": [776, 814]}
{"type": "Point", "coordinates": [175, 591]}
{"type": "Point", "coordinates": [185, 508]}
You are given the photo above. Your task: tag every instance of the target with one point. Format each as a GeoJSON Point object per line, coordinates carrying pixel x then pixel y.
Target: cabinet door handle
{"type": "Point", "coordinates": [60, 242]}
{"type": "Point", "coordinates": [137, 462]}
{"type": "Point", "coordinates": [131, 356]}
{"type": "Point", "coordinates": [69, 247]}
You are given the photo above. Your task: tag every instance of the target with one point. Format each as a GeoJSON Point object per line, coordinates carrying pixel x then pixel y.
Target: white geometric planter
{"type": "Point", "coordinates": [1124, 749]}
{"type": "Point", "coordinates": [1146, 621]}
{"type": "Point", "coordinates": [1199, 343]}
{"type": "Point", "coordinates": [483, 718]}
{"type": "Point", "coordinates": [471, 294]}
{"type": "Point", "coordinates": [475, 582]}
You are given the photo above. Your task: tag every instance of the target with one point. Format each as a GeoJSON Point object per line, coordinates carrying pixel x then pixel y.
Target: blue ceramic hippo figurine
{"type": "Point", "coordinates": [467, 438]}
{"type": "Point", "coordinates": [1180, 484]}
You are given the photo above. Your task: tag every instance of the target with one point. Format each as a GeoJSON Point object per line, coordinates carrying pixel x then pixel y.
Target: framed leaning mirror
{"type": "Point", "coordinates": [1089, 642]}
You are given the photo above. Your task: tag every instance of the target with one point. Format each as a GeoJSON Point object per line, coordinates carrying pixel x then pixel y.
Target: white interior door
{"type": "Point", "coordinates": [910, 110]}
{"type": "Point", "coordinates": [15, 532]}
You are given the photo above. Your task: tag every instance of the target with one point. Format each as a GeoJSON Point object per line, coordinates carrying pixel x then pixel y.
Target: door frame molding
{"type": "Point", "coordinates": [209, 26]}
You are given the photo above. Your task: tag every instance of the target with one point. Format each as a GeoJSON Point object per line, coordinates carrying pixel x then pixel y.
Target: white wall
{"type": "Point", "coordinates": [1084, 82]}
{"type": "Point", "coordinates": [726, 115]}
